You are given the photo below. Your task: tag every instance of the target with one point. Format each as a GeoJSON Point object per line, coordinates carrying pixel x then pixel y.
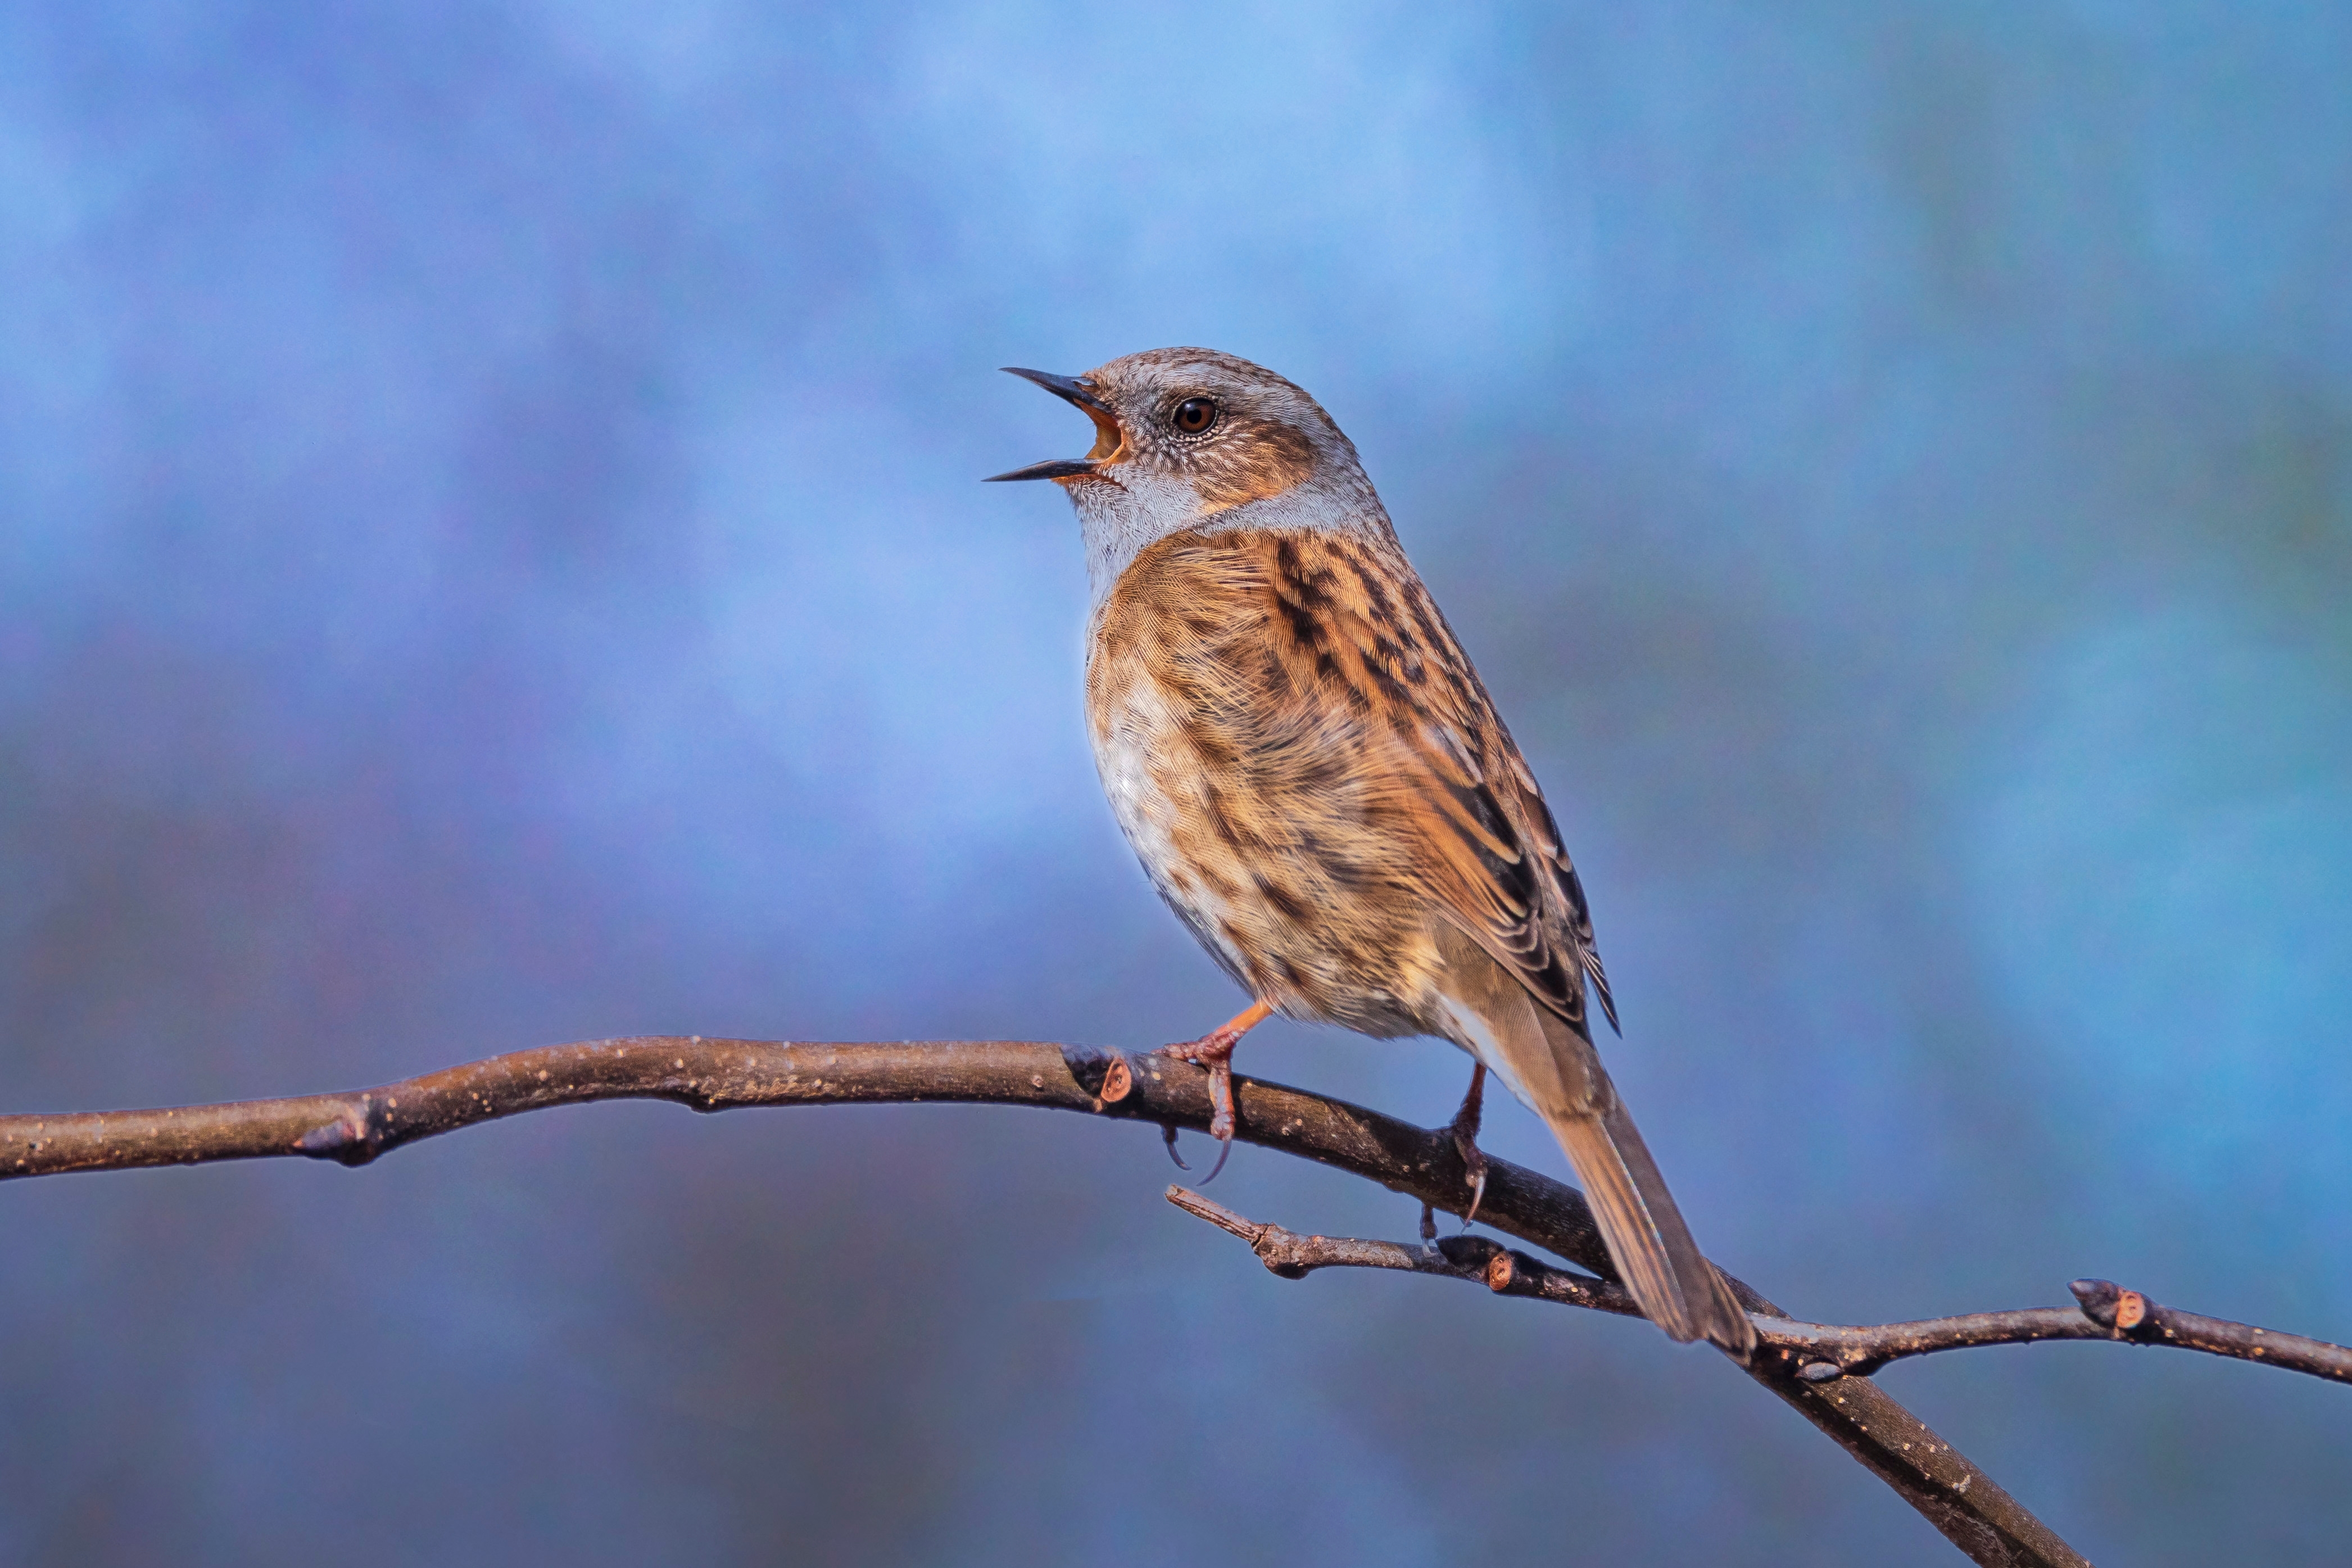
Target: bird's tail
{"type": "Point", "coordinates": [1549, 1065]}
{"type": "Point", "coordinates": [1669, 1278]}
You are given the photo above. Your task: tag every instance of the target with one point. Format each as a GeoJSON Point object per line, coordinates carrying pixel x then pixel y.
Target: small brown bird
{"type": "Point", "coordinates": [1319, 786]}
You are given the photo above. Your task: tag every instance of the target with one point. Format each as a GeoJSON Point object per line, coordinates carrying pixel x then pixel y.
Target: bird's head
{"type": "Point", "coordinates": [1192, 438]}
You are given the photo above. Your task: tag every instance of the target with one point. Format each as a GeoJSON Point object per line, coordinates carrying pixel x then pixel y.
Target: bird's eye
{"type": "Point", "coordinates": [1196, 414]}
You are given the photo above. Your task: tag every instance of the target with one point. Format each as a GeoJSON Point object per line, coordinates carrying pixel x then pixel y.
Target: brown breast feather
{"type": "Point", "coordinates": [1338, 775]}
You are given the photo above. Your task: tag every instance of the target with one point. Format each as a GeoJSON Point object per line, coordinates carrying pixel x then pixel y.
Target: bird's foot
{"type": "Point", "coordinates": [1464, 1128]}
{"type": "Point", "coordinates": [1215, 1051]}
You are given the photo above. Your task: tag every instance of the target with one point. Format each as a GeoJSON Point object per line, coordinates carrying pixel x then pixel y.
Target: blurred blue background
{"type": "Point", "coordinates": [493, 556]}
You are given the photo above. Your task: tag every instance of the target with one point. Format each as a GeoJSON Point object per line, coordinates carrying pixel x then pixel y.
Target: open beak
{"type": "Point", "coordinates": [1107, 435]}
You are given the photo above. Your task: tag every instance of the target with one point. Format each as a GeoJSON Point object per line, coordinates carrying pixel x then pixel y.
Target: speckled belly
{"type": "Point", "coordinates": [1256, 867]}
{"type": "Point", "coordinates": [1133, 736]}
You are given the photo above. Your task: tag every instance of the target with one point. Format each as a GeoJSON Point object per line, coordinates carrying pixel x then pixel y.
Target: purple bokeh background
{"type": "Point", "coordinates": [492, 557]}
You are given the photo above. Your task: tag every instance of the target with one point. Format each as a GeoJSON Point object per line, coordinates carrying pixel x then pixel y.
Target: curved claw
{"type": "Point", "coordinates": [1223, 1149]}
{"type": "Point", "coordinates": [1168, 1136]}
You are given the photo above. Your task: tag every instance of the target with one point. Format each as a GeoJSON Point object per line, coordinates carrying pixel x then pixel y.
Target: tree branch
{"type": "Point", "coordinates": [1817, 1352]}
{"type": "Point", "coordinates": [352, 1129]}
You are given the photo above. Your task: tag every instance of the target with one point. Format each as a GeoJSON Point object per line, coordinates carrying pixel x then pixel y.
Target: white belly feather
{"type": "Point", "coordinates": [1134, 730]}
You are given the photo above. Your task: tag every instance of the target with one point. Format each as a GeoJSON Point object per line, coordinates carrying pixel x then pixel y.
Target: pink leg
{"type": "Point", "coordinates": [1214, 1050]}
{"type": "Point", "coordinates": [1465, 1139]}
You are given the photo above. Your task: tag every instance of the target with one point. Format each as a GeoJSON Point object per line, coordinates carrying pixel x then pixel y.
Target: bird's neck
{"type": "Point", "coordinates": [1120, 523]}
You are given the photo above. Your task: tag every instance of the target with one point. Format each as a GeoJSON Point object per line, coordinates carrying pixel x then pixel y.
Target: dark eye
{"type": "Point", "coordinates": [1196, 414]}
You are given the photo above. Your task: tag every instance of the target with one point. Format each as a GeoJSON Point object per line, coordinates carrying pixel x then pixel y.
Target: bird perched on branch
{"type": "Point", "coordinates": [1319, 786]}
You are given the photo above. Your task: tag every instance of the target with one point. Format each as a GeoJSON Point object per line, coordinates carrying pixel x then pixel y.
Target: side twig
{"type": "Point", "coordinates": [1817, 1352]}
{"type": "Point", "coordinates": [352, 1129]}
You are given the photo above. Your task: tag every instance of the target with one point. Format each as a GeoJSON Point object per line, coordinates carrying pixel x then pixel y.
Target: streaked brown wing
{"type": "Point", "coordinates": [1491, 855]}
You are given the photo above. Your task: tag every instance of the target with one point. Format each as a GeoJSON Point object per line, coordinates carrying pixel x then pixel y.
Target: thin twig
{"type": "Point", "coordinates": [1960, 1500]}
{"type": "Point", "coordinates": [1817, 1352]}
